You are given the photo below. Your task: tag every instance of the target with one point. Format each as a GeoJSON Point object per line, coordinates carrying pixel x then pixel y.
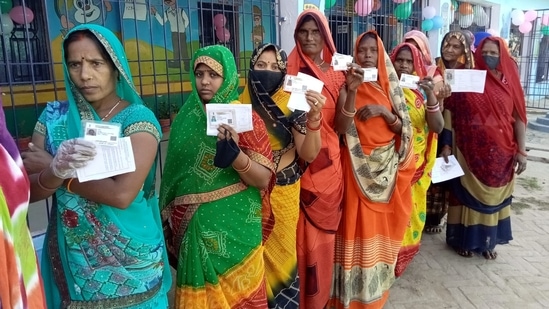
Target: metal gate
{"type": "Point", "coordinates": [532, 52]}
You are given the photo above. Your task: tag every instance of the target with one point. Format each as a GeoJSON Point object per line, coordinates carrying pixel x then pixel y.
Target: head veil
{"type": "Point", "coordinates": [466, 59]}
{"type": "Point", "coordinates": [79, 108]}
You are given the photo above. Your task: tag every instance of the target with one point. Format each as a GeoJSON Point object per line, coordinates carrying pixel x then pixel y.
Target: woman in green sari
{"type": "Point", "coordinates": [104, 245]}
{"type": "Point", "coordinates": [215, 194]}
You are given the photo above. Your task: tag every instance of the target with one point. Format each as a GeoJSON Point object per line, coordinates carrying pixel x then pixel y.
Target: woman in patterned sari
{"type": "Point", "coordinates": [427, 122]}
{"type": "Point", "coordinates": [293, 135]}
{"type": "Point", "coordinates": [456, 54]}
{"type": "Point", "coordinates": [322, 183]}
{"type": "Point", "coordinates": [20, 282]}
{"type": "Point", "coordinates": [378, 166]}
{"type": "Point", "coordinates": [104, 244]}
{"type": "Point", "coordinates": [489, 143]}
{"type": "Point", "coordinates": [213, 212]}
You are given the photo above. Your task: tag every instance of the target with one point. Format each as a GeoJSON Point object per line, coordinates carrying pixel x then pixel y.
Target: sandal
{"type": "Point", "coordinates": [437, 229]}
{"type": "Point", "coordinates": [464, 253]}
{"type": "Point", "coordinates": [490, 254]}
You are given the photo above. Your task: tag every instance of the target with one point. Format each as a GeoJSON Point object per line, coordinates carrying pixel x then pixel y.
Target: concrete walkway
{"type": "Point", "coordinates": [518, 278]}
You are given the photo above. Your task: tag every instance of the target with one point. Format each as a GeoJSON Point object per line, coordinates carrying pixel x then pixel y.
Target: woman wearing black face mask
{"type": "Point", "coordinates": [293, 135]}
{"type": "Point", "coordinates": [489, 142]}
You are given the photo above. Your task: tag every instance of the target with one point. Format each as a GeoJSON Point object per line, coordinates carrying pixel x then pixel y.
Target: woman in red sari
{"type": "Point", "coordinates": [489, 143]}
{"type": "Point", "coordinates": [321, 184]}
{"type": "Point", "coordinates": [456, 54]}
{"type": "Point", "coordinates": [378, 166]}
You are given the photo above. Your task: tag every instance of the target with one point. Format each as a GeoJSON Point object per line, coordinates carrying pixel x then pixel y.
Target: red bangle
{"type": "Point", "coordinates": [314, 129]}
{"type": "Point", "coordinates": [522, 153]}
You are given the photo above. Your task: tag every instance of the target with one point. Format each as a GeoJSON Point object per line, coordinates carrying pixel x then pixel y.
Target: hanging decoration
{"type": "Point", "coordinates": [403, 10]}
{"type": "Point", "coordinates": [21, 15]}
{"type": "Point", "coordinates": [6, 24]}
{"type": "Point", "coordinates": [5, 6]}
{"type": "Point", "coordinates": [530, 15]}
{"type": "Point", "coordinates": [545, 30]}
{"type": "Point", "coordinates": [429, 12]}
{"type": "Point", "coordinates": [525, 27]}
{"type": "Point", "coordinates": [328, 4]}
{"type": "Point", "coordinates": [427, 25]}
{"type": "Point", "coordinates": [517, 17]}
{"type": "Point", "coordinates": [465, 9]}
{"type": "Point", "coordinates": [465, 21]}
{"type": "Point", "coordinates": [363, 7]}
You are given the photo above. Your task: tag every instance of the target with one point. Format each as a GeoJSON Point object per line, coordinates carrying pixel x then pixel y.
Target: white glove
{"type": "Point", "coordinates": [72, 154]}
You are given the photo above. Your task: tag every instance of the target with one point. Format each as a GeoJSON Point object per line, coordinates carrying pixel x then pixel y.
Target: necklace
{"type": "Point", "coordinates": [115, 105]}
{"type": "Point", "coordinates": [319, 64]}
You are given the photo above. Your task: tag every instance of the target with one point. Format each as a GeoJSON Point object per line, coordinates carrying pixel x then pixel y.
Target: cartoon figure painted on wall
{"type": "Point", "coordinates": [258, 31]}
{"type": "Point", "coordinates": [311, 4]}
{"type": "Point", "coordinates": [75, 12]}
{"type": "Point", "coordinates": [179, 21]}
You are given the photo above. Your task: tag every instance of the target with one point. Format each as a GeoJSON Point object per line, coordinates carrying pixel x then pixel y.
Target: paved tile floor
{"type": "Point", "coordinates": [518, 278]}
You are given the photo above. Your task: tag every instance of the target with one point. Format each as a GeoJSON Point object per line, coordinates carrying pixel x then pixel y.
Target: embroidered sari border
{"type": "Point", "coordinates": [200, 198]}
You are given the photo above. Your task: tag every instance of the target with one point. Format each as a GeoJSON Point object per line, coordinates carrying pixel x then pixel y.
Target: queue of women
{"type": "Point", "coordinates": [318, 209]}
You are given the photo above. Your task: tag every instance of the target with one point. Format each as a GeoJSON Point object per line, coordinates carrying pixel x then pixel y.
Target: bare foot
{"type": "Point", "coordinates": [437, 229]}
{"type": "Point", "coordinates": [490, 254]}
{"type": "Point", "coordinates": [464, 253]}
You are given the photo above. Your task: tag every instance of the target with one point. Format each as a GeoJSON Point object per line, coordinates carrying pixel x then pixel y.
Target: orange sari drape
{"type": "Point", "coordinates": [370, 233]}
{"type": "Point", "coordinates": [321, 184]}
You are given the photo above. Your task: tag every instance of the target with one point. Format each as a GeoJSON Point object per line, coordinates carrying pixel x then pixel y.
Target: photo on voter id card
{"type": "Point", "coordinates": [220, 117]}
{"type": "Point", "coordinates": [101, 133]}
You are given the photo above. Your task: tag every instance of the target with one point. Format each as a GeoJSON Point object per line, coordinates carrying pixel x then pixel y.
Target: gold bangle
{"type": "Point", "coordinates": [346, 113]}
{"type": "Point", "coordinates": [41, 185]}
{"type": "Point", "coordinates": [246, 168]}
{"type": "Point", "coordinates": [69, 185]}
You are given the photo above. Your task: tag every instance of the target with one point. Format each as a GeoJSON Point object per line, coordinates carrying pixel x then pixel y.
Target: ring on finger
{"type": "Point", "coordinates": [315, 103]}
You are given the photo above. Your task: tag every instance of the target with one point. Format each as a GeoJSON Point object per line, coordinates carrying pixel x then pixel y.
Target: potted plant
{"type": "Point", "coordinates": [174, 110]}
{"type": "Point", "coordinates": [164, 116]}
{"type": "Point", "coordinates": [22, 139]}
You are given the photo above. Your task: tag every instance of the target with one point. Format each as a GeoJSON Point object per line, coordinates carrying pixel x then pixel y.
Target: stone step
{"type": "Point", "coordinates": [543, 120]}
{"type": "Point", "coordinates": [538, 127]}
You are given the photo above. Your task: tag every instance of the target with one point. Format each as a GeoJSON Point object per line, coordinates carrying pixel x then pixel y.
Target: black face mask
{"type": "Point", "coordinates": [226, 152]}
{"type": "Point", "coordinates": [269, 79]}
{"type": "Point", "coordinates": [491, 61]}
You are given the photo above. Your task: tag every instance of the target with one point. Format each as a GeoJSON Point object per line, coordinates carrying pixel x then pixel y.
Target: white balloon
{"type": "Point", "coordinates": [518, 20]}
{"type": "Point", "coordinates": [481, 19]}
{"type": "Point", "coordinates": [429, 12]}
{"type": "Point", "coordinates": [465, 21]}
{"type": "Point", "coordinates": [6, 25]}
{"type": "Point", "coordinates": [517, 13]}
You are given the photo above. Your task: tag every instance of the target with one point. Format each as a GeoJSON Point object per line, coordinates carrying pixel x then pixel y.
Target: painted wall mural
{"type": "Point", "coordinates": [160, 35]}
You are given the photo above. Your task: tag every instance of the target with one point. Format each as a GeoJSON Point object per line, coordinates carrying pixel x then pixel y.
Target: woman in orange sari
{"type": "Point", "coordinates": [427, 122]}
{"type": "Point", "coordinates": [321, 184]}
{"type": "Point", "coordinates": [378, 166]}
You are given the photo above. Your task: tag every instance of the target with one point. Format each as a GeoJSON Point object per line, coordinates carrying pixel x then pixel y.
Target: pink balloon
{"type": "Point", "coordinates": [223, 34]}
{"type": "Point", "coordinates": [525, 27]}
{"type": "Point", "coordinates": [545, 20]}
{"type": "Point", "coordinates": [530, 15]}
{"type": "Point", "coordinates": [219, 21]}
{"type": "Point", "coordinates": [21, 15]}
{"type": "Point", "coordinates": [364, 7]}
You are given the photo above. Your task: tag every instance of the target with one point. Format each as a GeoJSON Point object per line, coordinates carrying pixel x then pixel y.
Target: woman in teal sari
{"type": "Point", "coordinates": [104, 246]}
{"type": "Point", "coordinates": [215, 193]}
